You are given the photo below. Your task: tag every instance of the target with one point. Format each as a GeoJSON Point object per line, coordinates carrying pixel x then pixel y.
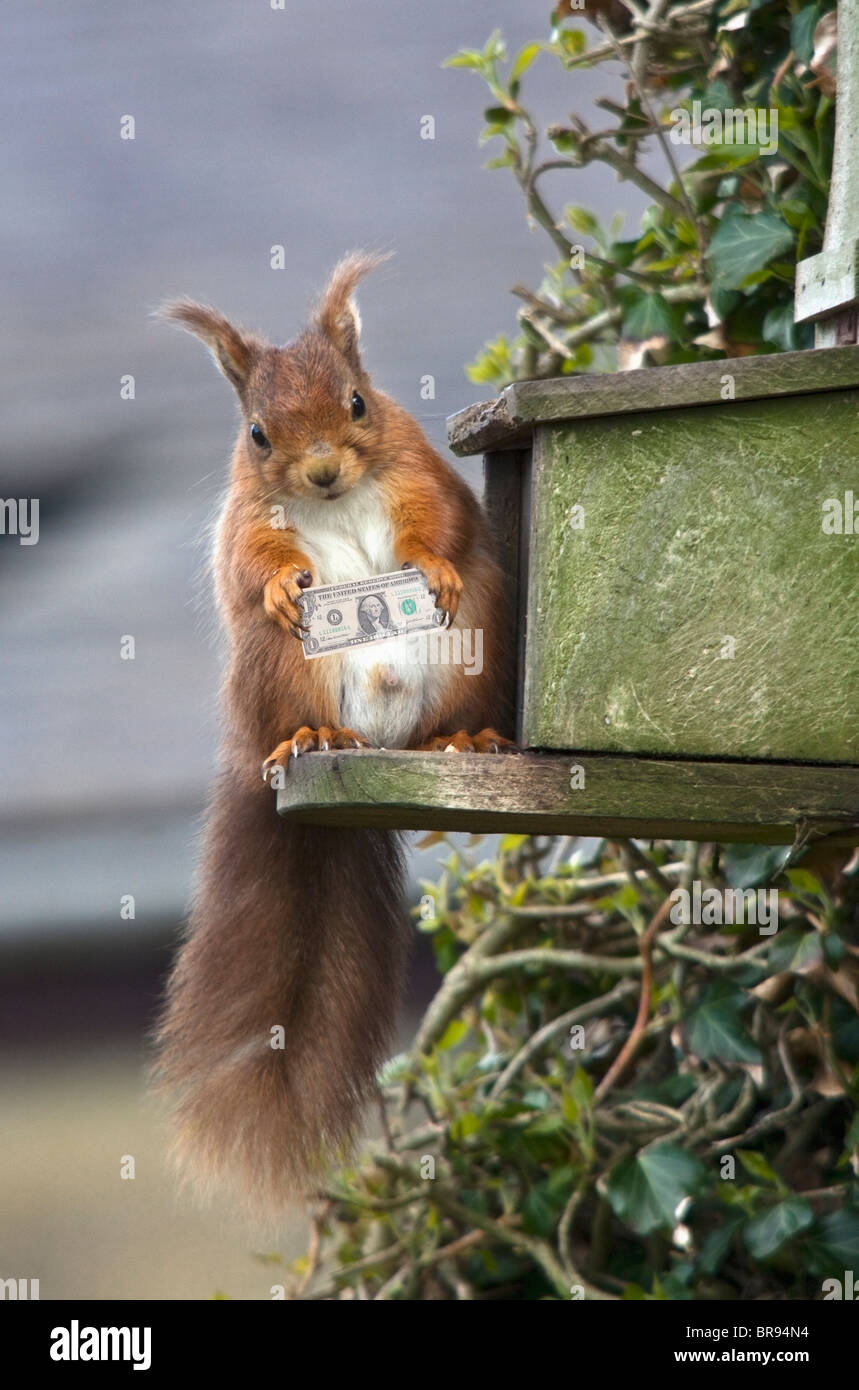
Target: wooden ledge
{"type": "Point", "coordinates": [509, 419]}
{"type": "Point", "coordinates": [768, 803]}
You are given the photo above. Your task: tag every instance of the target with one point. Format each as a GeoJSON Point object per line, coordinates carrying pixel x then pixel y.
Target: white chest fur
{"type": "Point", "coordinates": [349, 538]}
{"type": "Point", "coordinates": [382, 689]}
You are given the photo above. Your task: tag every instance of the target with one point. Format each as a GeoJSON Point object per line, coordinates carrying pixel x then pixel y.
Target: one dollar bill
{"type": "Point", "coordinates": [378, 609]}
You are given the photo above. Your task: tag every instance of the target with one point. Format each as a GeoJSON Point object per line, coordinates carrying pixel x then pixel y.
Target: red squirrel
{"type": "Point", "coordinates": [302, 927]}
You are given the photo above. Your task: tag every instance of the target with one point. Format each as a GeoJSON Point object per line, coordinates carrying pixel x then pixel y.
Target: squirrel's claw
{"type": "Point", "coordinates": [443, 582]}
{"type": "Point", "coordinates": [281, 599]}
{"type": "Point", "coordinates": [305, 740]}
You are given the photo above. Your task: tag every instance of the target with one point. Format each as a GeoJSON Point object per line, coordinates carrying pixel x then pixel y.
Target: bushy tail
{"type": "Point", "coordinates": [283, 999]}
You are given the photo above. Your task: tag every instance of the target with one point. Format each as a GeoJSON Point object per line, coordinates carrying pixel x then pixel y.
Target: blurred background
{"type": "Point", "coordinates": [254, 127]}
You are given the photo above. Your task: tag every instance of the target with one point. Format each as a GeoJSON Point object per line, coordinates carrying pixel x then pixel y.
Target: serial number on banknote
{"type": "Point", "coordinates": [378, 609]}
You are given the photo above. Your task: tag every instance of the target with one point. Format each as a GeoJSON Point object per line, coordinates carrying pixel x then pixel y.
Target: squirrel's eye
{"type": "Point", "coordinates": [359, 406]}
{"type": "Point", "coordinates": [258, 437]}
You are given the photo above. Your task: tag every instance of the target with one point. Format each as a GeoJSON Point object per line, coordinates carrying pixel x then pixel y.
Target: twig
{"type": "Point", "coordinates": [562, 1024]}
{"type": "Point", "coordinates": [636, 1037]}
{"type": "Point", "coordinates": [471, 974]}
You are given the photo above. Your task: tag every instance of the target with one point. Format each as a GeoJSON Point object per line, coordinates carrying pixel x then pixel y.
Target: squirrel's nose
{"type": "Point", "coordinates": [324, 475]}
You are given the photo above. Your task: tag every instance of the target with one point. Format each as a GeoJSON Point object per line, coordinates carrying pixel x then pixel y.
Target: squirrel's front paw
{"type": "Point", "coordinates": [281, 598]}
{"type": "Point", "coordinates": [443, 581]}
{"type": "Point", "coordinates": [306, 740]}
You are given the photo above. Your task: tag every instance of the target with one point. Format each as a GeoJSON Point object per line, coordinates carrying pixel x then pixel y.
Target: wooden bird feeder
{"type": "Point", "coordinates": [683, 551]}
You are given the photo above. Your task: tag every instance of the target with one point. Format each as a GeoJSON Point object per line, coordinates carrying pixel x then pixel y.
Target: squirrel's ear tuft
{"type": "Point", "coordinates": [234, 352]}
{"type": "Point", "coordinates": [337, 314]}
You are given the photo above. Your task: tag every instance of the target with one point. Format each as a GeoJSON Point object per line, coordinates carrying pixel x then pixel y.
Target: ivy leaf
{"type": "Point", "coordinates": [767, 1234]}
{"type": "Point", "coordinates": [745, 243]}
{"type": "Point", "coordinates": [538, 1213]}
{"type": "Point", "coordinates": [833, 1245]}
{"type": "Point", "coordinates": [717, 1243]}
{"type": "Point", "coordinates": [645, 1191]}
{"type": "Point", "coordinates": [802, 30]}
{"type": "Point", "coordinates": [715, 1027]}
{"type": "Point", "coordinates": [794, 950]}
{"type": "Point", "coordinates": [779, 328]}
{"type": "Point", "coordinates": [747, 866]}
{"type": "Point", "coordinates": [650, 316]}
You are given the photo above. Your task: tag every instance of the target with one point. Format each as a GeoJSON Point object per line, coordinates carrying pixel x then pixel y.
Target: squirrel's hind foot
{"type": "Point", "coordinates": [487, 741]}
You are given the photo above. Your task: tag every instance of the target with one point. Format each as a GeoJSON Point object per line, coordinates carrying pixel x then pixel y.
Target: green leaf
{"type": "Point", "coordinates": [726, 157]}
{"type": "Point", "coordinates": [524, 59]}
{"type": "Point", "coordinates": [717, 1243]}
{"type": "Point", "coordinates": [623, 253]}
{"type": "Point", "coordinates": [498, 116]}
{"type": "Point", "coordinates": [779, 328]}
{"type": "Point", "coordinates": [746, 242]}
{"type": "Point", "coordinates": [715, 1027]}
{"type": "Point", "coordinates": [724, 303]}
{"type": "Point", "coordinates": [757, 1165]}
{"type": "Point", "coordinates": [833, 1245]}
{"type": "Point", "coordinates": [453, 1033]}
{"type": "Point", "coordinates": [651, 315]}
{"type": "Point", "coordinates": [539, 1215]}
{"type": "Point", "coordinates": [767, 1234]}
{"type": "Point", "coordinates": [466, 58]}
{"type": "Point", "coordinates": [833, 950]}
{"type": "Point", "coordinates": [465, 1124]}
{"type": "Point", "coordinates": [804, 881]}
{"type": "Point", "coordinates": [572, 41]}
{"type": "Point", "coordinates": [494, 50]}
{"type": "Point", "coordinates": [646, 1190]}
{"type": "Point", "coordinates": [509, 843]}
{"type": "Point", "coordinates": [545, 1126]}
{"type": "Point", "coordinates": [569, 1106]}
{"type": "Point", "coordinates": [581, 220]}
{"type": "Point", "coordinates": [802, 32]}
{"type": "Point", "coordinates": [747, 866]}
{"type": "Point", "coordinates": [794, 950]}
{"type": "Point", "coordinates": [672, 1090]}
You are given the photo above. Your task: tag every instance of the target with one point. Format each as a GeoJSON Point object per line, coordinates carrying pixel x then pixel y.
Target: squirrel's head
{"type": "Point", "coordinates": [313, 425]}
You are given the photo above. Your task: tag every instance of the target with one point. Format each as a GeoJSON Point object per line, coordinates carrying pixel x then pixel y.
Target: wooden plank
{"type": "Point", "coordinates": [509, 419]}
{"type": "Point", "coordinates": [766, 803]}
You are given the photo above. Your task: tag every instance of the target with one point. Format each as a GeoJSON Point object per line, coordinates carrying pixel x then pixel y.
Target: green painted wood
{"type": "Point", "coordinates": [574, 794]}
{"type": "Point", "coordinates": [509, 418]}
{"type": "Point", "coordinates": [700, 525]}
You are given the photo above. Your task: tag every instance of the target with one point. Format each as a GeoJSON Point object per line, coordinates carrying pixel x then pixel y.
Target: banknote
{"type": "Point", "coordinates": [377, 609]}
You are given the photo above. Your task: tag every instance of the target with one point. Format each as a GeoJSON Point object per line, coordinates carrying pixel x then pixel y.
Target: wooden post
{"type": "Point", "coordinates": [827, 285]}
